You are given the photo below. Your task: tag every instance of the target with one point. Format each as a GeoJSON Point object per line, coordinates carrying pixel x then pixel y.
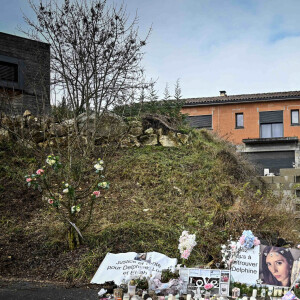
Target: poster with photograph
{"type": "Point", "coordinates": [278, 266]}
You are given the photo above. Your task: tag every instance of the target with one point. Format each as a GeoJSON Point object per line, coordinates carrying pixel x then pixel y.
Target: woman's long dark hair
{"type": "Point", "coordinates": [268, 277]}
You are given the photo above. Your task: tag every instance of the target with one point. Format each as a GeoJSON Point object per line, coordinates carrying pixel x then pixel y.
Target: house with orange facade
{"type": "Point", "coordinates": [265, 127]}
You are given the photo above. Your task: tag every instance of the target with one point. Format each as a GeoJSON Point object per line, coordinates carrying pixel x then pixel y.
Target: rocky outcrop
{"type": "Point", "coordinates": [149, 139]}
{"type": "Point", "coordinates": [169, 140]}
{"type": "Point", "coordinates": [104, 128]}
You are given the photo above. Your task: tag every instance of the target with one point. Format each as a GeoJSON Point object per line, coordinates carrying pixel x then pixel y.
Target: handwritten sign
{"type": "Point", "coordinates": [246, 267]}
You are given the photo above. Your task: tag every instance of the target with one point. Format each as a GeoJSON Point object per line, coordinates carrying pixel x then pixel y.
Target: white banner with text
{"type": "Point", "coordinates": [124, 266]}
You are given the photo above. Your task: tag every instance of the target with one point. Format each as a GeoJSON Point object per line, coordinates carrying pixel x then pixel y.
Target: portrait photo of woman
{"type": "Point", "coordinates": [276, 266]}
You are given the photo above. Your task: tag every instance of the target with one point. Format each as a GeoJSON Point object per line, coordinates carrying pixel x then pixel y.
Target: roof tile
{"type": "Point", "coordinates": [242, 98]}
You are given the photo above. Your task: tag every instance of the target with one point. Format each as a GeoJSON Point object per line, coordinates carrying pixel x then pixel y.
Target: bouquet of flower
{"type": "Point", "coordinates": [186, 244]}
{"type": "Point", "coordinates": [248, 240]}
{"type": "Point", "coordinates": [232, 249]}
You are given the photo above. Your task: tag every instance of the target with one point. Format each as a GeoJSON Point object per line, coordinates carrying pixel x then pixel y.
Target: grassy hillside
{"type": "Point", "coordinates": [155, 193]}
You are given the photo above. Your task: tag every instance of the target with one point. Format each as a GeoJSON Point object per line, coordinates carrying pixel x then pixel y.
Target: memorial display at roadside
{"type": "Point", "coordinates": [250, 270]}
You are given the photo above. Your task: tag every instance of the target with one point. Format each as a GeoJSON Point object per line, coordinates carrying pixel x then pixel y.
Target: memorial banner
{"type": "Point", "coordinates": [118, 267]}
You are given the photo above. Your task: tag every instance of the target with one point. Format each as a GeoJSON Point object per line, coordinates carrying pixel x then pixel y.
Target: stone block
{"type": "Point", "coordinates": [283, 179]}
{"type": "Point", "coordinates": [290, 172]}
{"type": "Point", "coordinates": [267, 179]}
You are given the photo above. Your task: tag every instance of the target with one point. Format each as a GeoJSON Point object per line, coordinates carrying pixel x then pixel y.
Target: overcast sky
{"type": "Point", "coordinates": [241, 46]}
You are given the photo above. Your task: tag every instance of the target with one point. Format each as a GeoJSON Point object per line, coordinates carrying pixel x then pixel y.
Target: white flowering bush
{"type": "Point", "coordinates": [71, 199]}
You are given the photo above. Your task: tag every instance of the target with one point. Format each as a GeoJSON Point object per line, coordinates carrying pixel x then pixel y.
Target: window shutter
{"type": "Point", "coordinates": [200, 121]}
{"type": "Point", "coordinates": [267, 117]}
{"type": "Point", "coordinates": [8, 71]}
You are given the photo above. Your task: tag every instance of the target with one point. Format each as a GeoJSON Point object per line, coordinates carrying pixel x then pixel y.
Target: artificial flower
{"type": "Point", "coordinates": [186, 242]}
{"type": "Point", "coordinates": [50, 161]}
{"type": "Point", "coordinates": [50, 201]}
{"type": "Point", "coordinates": [28, 179]}
{"type": "Point", "coordinates": [65, 191]}
{"type": "Point", "coordinates": [256, 241]}
{"type": "Point", "coordinates": [40, 172]}
{"type": "Point", "coordinates": [186, 253]}
{"type": "Point", "coordinates": [104, 184]}
{"type": "Point", "coordinates": [96, 194]}
{"type": "Point", "coordinates": [208, 286]}
{"type": "Point", "coordinates": [98, 167]}
{"type": "Point", "coordinates": [75, 208]}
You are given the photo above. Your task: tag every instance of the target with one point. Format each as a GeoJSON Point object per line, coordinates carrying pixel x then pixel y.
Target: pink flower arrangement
{"type": "Point", "coordinates": [242, 240]}
{"type": "Point", "coordinates": [256, 241]}
{"type": "Point", "coordinates": [96, 194]}
{"type": "Point", "coordinates": [28, 179]}
{"type": "Point", "coordinates": [40, 172]}
{"type": "Point", "coordinates": [185, 254]}
{"type": "Point", "coordinates": [208, 286]}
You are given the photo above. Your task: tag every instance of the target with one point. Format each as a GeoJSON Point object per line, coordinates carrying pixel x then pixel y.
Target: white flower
{"type": "Point", "coordinates": [186, 242]}
{"type": "Point", "coordinates": [65, 191]}
{"type": "Point", "coordinates": [98, 167]}
{"type": "Point", "coordinates": [73, 209]}
{"type": "Point", "coordinates": [50, 161]}
{"type": "Point", "coordinates": [66, 185]}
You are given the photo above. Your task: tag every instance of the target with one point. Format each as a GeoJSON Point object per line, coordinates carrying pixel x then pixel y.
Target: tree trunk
{"type": "Point", "coordinates": [74, 240]}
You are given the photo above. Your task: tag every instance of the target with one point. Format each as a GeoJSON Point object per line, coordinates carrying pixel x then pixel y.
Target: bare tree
{"type": "Point", "coordinates": [95, 51]}
{"type": "Point", "coordinates": [95, 64]}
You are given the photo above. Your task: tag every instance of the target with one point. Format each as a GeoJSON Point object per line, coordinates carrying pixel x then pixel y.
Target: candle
{"type": "Point", "coordinates": [188, 297]}
{"type": "Point", "coordinates": [254, 293]}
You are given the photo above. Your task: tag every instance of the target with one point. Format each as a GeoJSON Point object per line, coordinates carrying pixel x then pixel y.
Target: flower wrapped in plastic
{"type": "Point", "coordinates": [248, 240]}
{"type": "Point", "coordinates": [186, 244]}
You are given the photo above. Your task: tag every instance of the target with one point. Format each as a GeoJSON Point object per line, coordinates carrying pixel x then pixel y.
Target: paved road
{"type": "Point", "coordinates": [43, 291]}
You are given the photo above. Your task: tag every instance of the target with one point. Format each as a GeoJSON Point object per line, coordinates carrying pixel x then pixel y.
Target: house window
{"type": "Point", "coordinates": [271, 124]}
{"type": "Point", "coordinates": [239, 120]}
{"type": "Point", "coordinates": [11, 72]}
{"type": "Point", "coordinates": [204, 121]}
{"type": "Point", "coordinates": [295, 117]}
{"type": "Point", "coordinates": [8, 71]}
